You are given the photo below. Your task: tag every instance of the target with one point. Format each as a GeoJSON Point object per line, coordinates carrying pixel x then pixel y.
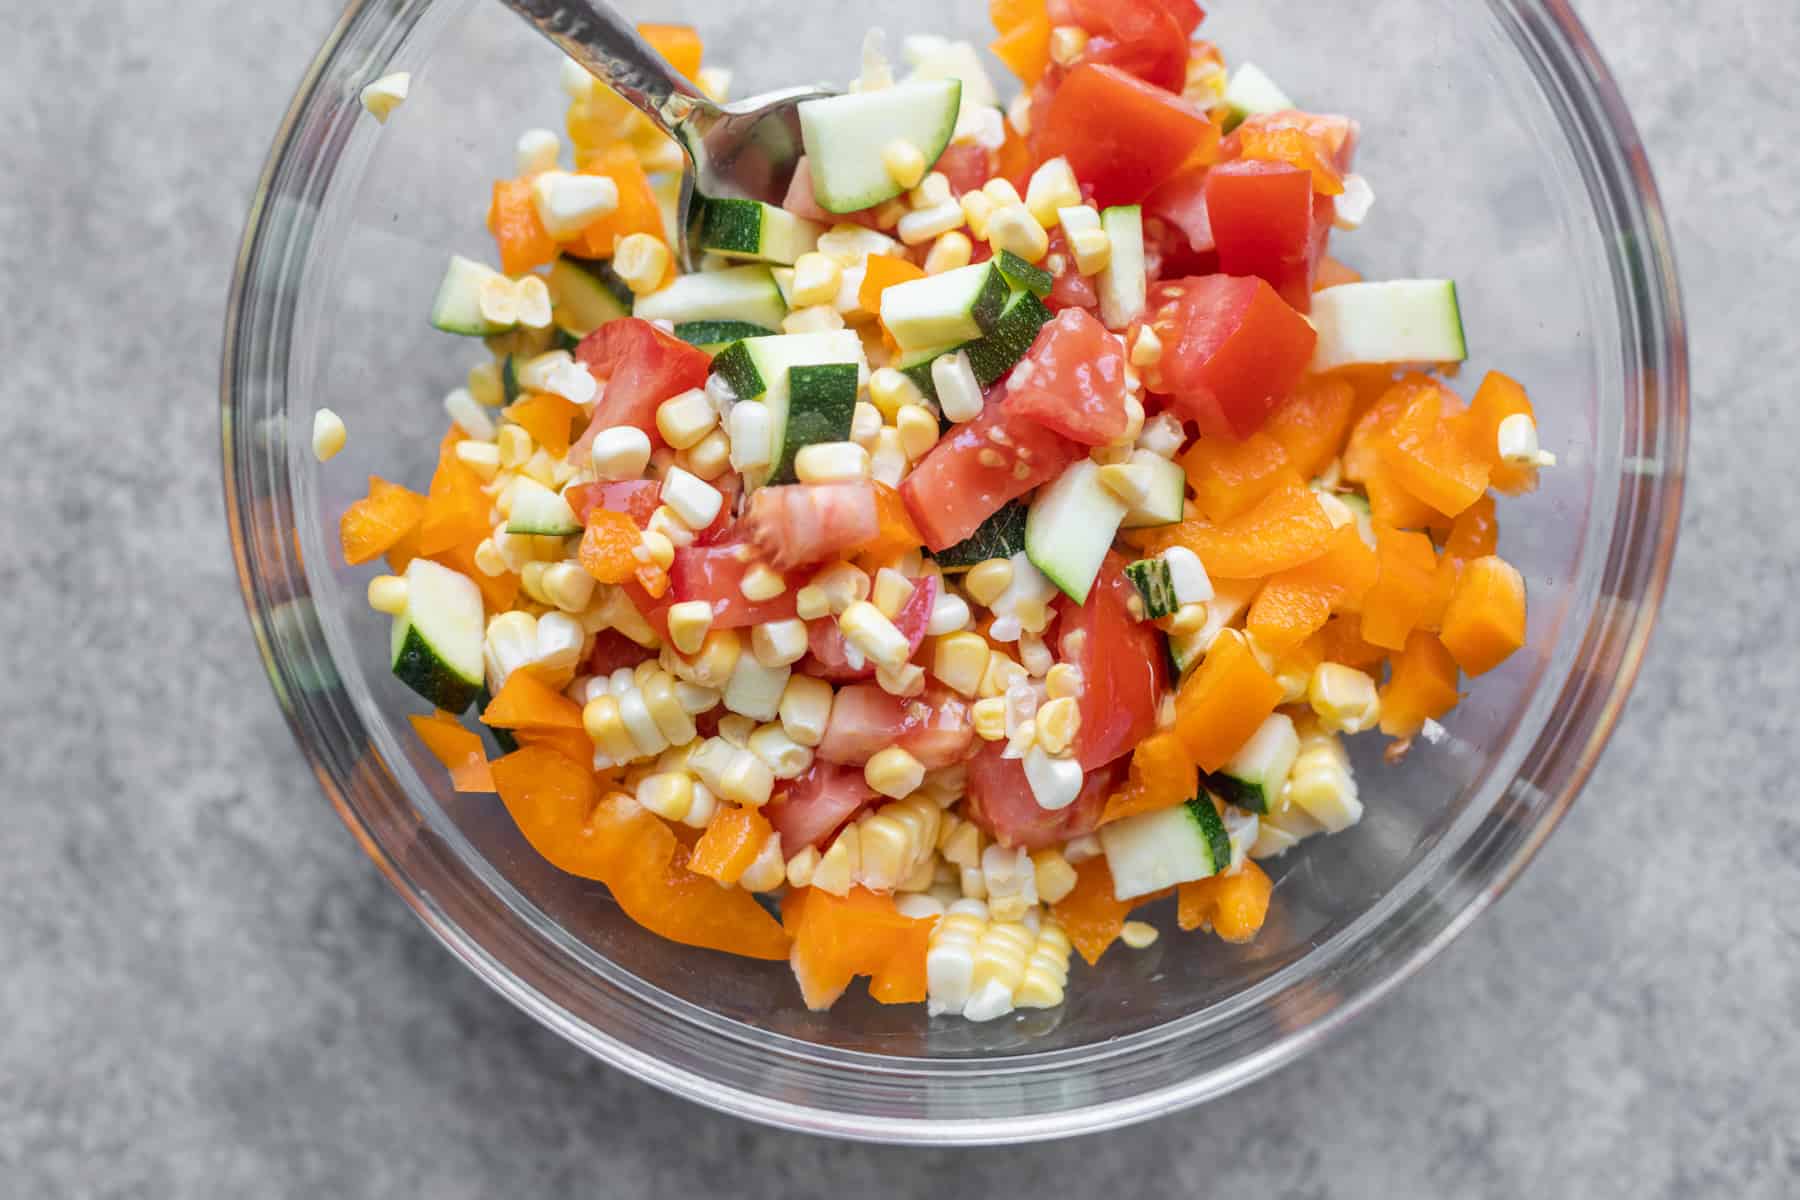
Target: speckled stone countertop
{"type": "Point", "coordinates": [208, 990]}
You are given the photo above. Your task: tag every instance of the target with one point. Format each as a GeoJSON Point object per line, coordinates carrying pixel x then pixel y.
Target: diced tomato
{"type": "Point", "coordinates": [1269, 223]}
{"type": "Point", "coordinates": [715, 574]}
{"type": "Point", "coordinates": [1121, 135]}
{"type": "Point", "coordinates": [809, 809]}
{"type": "Point", "coordinates": [825, 640]}
{"type": "Point", "coordinates": [1000, 801]}
{"type": "Point", "coordinates": [801, 201]}
{"type": "Point", "coordinates": [638, 366]}
{"type": "Point", "coordinates": [936, 728]}
{"type": "Point", "coordinates": [613, 650]}
{"type": "Point", "coordinates": [1121, 662]}
{"type": "Point", "coordinates": [1073, 380]}
{"type": "Point", "coordinates": [1072, 289]}
{"type": "Point", "coordinates": [636, 498]}
{"type": "Point", "coordinates": [1145, 38]}
{"type": "Point", "coordinates": [970, 474]}
{"type": "Point", "coordinates": [1177, 228]}
{"type": "Point", "coordinates": [967, 165]}
{"type": "Point", "coordinates": [804, 523]}
{"type": "Point", "coordinates": [1232, 349]}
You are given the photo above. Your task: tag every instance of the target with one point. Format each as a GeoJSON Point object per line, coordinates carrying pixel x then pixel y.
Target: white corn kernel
{"type": "Point", "coordinates": [843, 585]}
{"type": "Point", "coordinates": [558, 373]}
{"type": "Point", "coordinates": [800, 868]}
{"type": "Point", "coordinates": [817, 278]}
{"type": "Point", "coordinates": [684, 419]}
{"type": "Point", "coordinates": [779, 643]}
{"type": "Point", "coordinates": [1163, 435]}
{"type": "Point", "coordinates": [695, 699]}
{"type": "Point", "coordinates": [932, 191]}
{"type": "Point", "coordinates": [949, 252]}
{"type": "Point", "coordinates": [959, 392]}
{"type": "Point", "coordinates": [805, 708]}
{"type": "Point", "coordinates": [694, 500]}
{"type": "Point", "coordinates": [621, 452]}
{"type": "Point", "coordinates": [960, 661]}
{"type": "Point", "coordinates": [667, 794]}
{"type": "Point", "coordinates": [850, 244]}
{"type": "Point", "coordinates": [386, 94]}
{"type": "Point", "coordinates": [532, 297]}
{"type": "Point", "coordinates": [869, 631]}
{"type": "Point", "coordinates": [949, 614]}
{"type": "Point", "coordinates": [488, 559]}
{"type": "Point", "coordinates": [642, 261]}
{"type": "Point", "coordinates": [1351, 209]}
{"type": "Point", "coordinates": [985, 581]}
{"type": "Point", "coordinates": [865, 424]}
{"type": "Point", "coordinates": [785, 758]}
{"type": "Point", "coordinates": [387, 594]}
{"type": "Point", "coordinates": [751, 434]}
{"type": "Point", "coordinates": [766, 871]}
{"type": "Point", "coordinates": [470, 417]}
{"type": "Point", "coordinates": [1345, 699]}
{"type": "Point", "coordinates": [747, 781]}
{"type": "Point", "coordinates": [516, 446]}
{"type": "Point", "coordinates": [925, 224]}
{"type": "Point", "coordinates": [890, 390]}
{"type": "Point", "coordinates": [328, 434]}
{"type": "Point", "coordinates": [1517, 443]}
{"type": "Point", "coordinates": [918, 907]}
{"type": "Point", "coordinates": [568, 586]}
{"type": "Point", "coordinates": [918, 431]}
{"type": "Point", "coordinates": [498, 300]}
{"type": "Point", "coordinates": [978, 209]}
{"type": "Point", "coordinates": [904, 161]}
{"type": "Point", "coordinates": [1054, 782]}
{"type": "Point", "coordinates": [893, 772]}
{"type": "Point", "coordinates": [820, 318]}
{"type": "Point", "coordinates": [888, 461]}
{"type": "Point", "coordinates": [1051, 189]}
{"type": "Point", "coordinates": [890, 592]}
{"type": "Point", "coordinates": [1321, 783]}
{"type": "Point", "coordinates": [1139, 935]}
{"type": "Point", "coordinates": [568, 203]}
{"type": "Point", "coordinates": [536, 150]}
{"type": "Point", "coordinates": [1012, 227]}
{"type": "Point", "coordinates": [689, 622]}
{"type": "Point", "coordinates": [754, 690]}
{"type": "Point", "coordinates": [1067, 42]}
{"type": "Point", "coordinates": [906, 680]}
{"type": "Point", "coordinates": [831, 462]}
{"type": "Point", "coordinates": [483, 458]}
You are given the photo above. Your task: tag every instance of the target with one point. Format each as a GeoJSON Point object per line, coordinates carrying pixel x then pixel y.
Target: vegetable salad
{"type": "Point", "coordinates": [1000, 535]}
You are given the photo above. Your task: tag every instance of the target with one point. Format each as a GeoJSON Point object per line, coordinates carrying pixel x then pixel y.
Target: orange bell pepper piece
{"type": "Point", "coordinates": [456, 509]}
{"type": "Point", "coordinates": [895, 533]}
{"type": "Point", "coordinates": [1285, 528]}
{"type": "Point", "coordinates": [497, 591]}
{"type": "Point", "coordinates": [1485, 621]}
{"type": "Point", "coordinates": [608, 546]}
{"type": "Point", "coordinates": [1025, 48]}
{"type": "Point", "coordinates": [1422, 686]}
{"type": "Point", "coordinates": [1382, 402]}
{"type": "Point", "coordinates": [680, 44]}
{"type": "Point", "coordinates": [1230, 477]}
{"type": "Point", "coordinates": [1429, 455]}
{"type": "Point", "coordinates": [377, 522]}
{"type": "Point", "coordinates": [637, 212]}
{"type": "Point", "coordinates": [456, 746]}
{"type": "Point", "coordinates": [1270, 140]}
{"type": "Point", "coordinates": [838, 938]}
{"type": "Point", "coordinates": [1224, 702]}
{"type": "Point", "coordinates": [1475, 532]}
{"type": "Point", "coordinates": [882, 273]}
{"type": "Point", "coordinates": [1008, 14]}
{"type": "Point", "coordinates": [1499, 397]}
{"type": "Point", "coordinates": [1233, 906]}
{"type": "Point", "coordinates": [730, 844]}
{"type": "Point", "coordinates": [1443, 586]}
{"type": "Point", "coordinates": [1295, 604]}
{"type": "Point", "coordinates": [548, 418]}
{"type": "Point", "coordinates": [1402, 590]}
{"type": "Point", "coordinates": [527, 702]}
{"type": "Point", "coordinates": [573, 744]}
{"type": "Point", "coordinates": [512, 218]}
{"type": "Point", "coordinates": [1333, 273]}
{"type": "Point", "coordinates": [1162, 776]}
{"type": "Point", "coordinates": [1090, 914]}
{"type": "Point", "coordinates": [1341, 641]}
{"type": "Point", "coordinates": [1310, 425]}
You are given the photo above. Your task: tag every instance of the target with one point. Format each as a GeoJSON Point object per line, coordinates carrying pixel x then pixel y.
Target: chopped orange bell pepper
{"type": "Point", "coordinates": [1499, 397]}
{"type": "Point", "coordinates": [680, 44]}
{"type": "Point", "coordinates": [1422, 686]}
{"type": "Point", "coordinates": [1007, 14]}
{"type": "Point", "coordinates": [525, 701]}
{"type": "Point", "coordinates": [638, 211]}
{"type": "Point", "coordinates": [456, 746]}
{"type": "Point", "coordinates": [1013, 161]}
{"type": "Point", "coordinates": [456, 509]}
{"type": "Point", "coordinates": [1233, 906]}
{"type": "Point", "coordinates": [1341, 641]}
{"type": "Point", "coordinates": [1475, 532]}
{"type": "Point", "coordinates": [1443, 586]}
{"type": "Point", "coordinates": [1162, 776]}
{"type": "Point", "coordinates": [1229, 477]}
{"type": "Point", "coordinates": [1295, 604]}
{"type": "Point", "coordinates": [883, 272]}
{"type": "Point", "coordinates": [573, 744]}
{"type": "Point", "coordinates": [1333, 273]}
{"type": "Point", "coordinates": [497, 591]}
{"type": "Point", "coordinates": [895, 533]}
{"type": "Point", "coordinates": [1362, 453]}
{"type": "Point", "coordinates": [1430, 456]}
{"type": "Point", "coordinates": [1090, 914]}
{"type": "Point", "coordinates": [730, 844]}
{"type": "Point", "coordinates": [513, 220]}
{"type": "Point", "coordinates": [1402, 590]}
{"type": "Point", "coordinates": [548, 418]}
{"type": "Point", "coordinates": [1391, 504]}
{"type": "Point", "coordinates": [1311, 423]}
{"type": "Point", "coordinates": [1485, 621]}
{"type": "Point", "coordinates": [1224, 702]}
{"type": "Point", "coordinates": [1285, 528]}
{"type": "Point", "coordinates": [374, 524]}
{"type": "Point", "coordinates": [608, 546]}
{"type": "Point", "coordinates": [1270, 140]}
{"type": "Point", "coordinates": [1025, 48]}
{"type": "Point", "coordinates": [862, 933]}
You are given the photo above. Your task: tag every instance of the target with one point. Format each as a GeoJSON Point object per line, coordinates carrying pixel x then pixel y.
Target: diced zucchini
{"type": "Point", "coordinates": [1151, 578]}
{"type": "Point", "coordinates": [1070, 528]}
{"type": "Point", "coordinates": [1401, 321]}
{"type": "Point", "coordinates": [1252, 93]}
{"type": "Point", "coordinates": [750, 229]}
{"type": "Point", "coordinates": [845, 136]}
{"type": "Point", "coordinates": [1168, 492]}
{"type": "Point", "coordinates": [821, 401]}
{"type": "Point", "coordinates": [538, 510]}
{"type": "Point", "coordinates": [1022, 274]}
{"type": "Point", "coordinates": [435, 648]}
{"type": "Point", "coordinates": [1125, 282]}
{"type": "Point", "coordinates": [1157, 850]}
{"type": "Point", "coordinates": [1253, 779]}
{"type": "Point", "coordinates": [457, 305]}
{"type": "Point", "coordinates": [948, 309]}
{"type": "Point", "coordinates": [1230, 598]}
{"type": "Point", "coordinates": [992, 356]}
{"type": "Point", "coordinates": [714, 336]}
{"type": "Point", "coordinates": [587, 293]}
{"type": "Point", "coordinates": [758, 369]}
{"type": "Point", "coordinates": [1002, 535]}
{"type": "Point", "coordinates": [735, 294]}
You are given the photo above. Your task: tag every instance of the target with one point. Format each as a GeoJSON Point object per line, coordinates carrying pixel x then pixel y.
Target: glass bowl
{"type": "Point", "coordinates": [1503, 157]}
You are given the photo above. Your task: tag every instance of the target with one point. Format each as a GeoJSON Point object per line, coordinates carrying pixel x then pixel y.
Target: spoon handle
{"type": "Point", "coordinates": [593, 34]}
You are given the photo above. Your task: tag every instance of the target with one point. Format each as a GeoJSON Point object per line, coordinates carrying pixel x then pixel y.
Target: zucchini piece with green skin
{"type": "Point", "coordinates": [845, 137]}
{"type": "Point", "coordinates": [435, 646]}
{"type": "Point", "coordinates": [746, 293]}
{"type": "Point", "coordinates": [587, 293]}
{"type": "Point", "coordinates": [1070, 528]}
{"type": "Point", "coordinates": [1254, 777]}
{"type": "Point", "coordinates": [1022, 274]}
{"type": "Point", "coordinates": [1157, 850]}
{"type": "Point", "coordinates": [1124, 284]}
{"type": "Point", "coordinates": [539, 511]}
{"type": "Point", "coordinates": [1168, 493]}
{"type": "Point", "coordinates": [714, 336]}
{"type": "Point", "coordinates": [947, 309]}
{"type": "Point", "coordinates": [992, 356]}
{"type": "Point", "coordinates": [750, 229]}
{"type": "Point", "coordinates": [457, 306]}
{"type": "Point", "coordinates": [1002, 535]}
{"type": "Point", "coordinates": [1249, 93]}
{"type": "Point", "coordinates": [821, 402]}
{"type": "Point", "coordinates": [1400, 321]}
{"type": "Point", "coordinates": [759, 369]}
{"type": "Point", "coordinates": [1154, 586]}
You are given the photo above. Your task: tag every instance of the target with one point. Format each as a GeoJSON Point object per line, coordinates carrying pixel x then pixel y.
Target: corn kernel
{"type": "Point", "coordinates": [1012, 227]}
{"type": "Point", "coordinates": [890, 389]}
{"type": "Point", "coordinates": [960, 660]}
{"type": "Point", "coordinates": [488, 559]}
{"type": "Point", "coordinates": [1345, 699]}
{"type": "Point", "coordinates": [748, 781]}
{"type": "Point", "coordinates": [621, 452]}
{"type": "Point", "coordinates": [684, 419]}
{"type": "Point", "coordinates": [483, 458]}
{"type": "Point", "coordinates": [843, 584]}
{"type": "Point", "coordinates": [766, 872]}
{"type": "Point", "coordinates": [989, 715]}
{"type": "Point", "coordinates": [906, 680]}
{"type": "Point", "coordinates": [718, 658]}
{"type": "Point", "coordinates": [712, 457]}
{"type": "Point", "coordinates": [819, 318]}
{"type": "Point", "coordinates": [865, 628]}
{"type": "Point", "coordinates": [568, 586]}
{"type": "Point", "coordinates": [1138, 935]}
{"type": "Point", "coordinates": [887, 461]}
{"type": "Point", "coordinates": [811, 602]}
{"type": "Point", "coordinates": [1052, 188]}
{"type": "Point", "coordinates": [1092, 249]}
{"type": "Point", "coordinates": [1147, 350]}
{"type": "Point", "coordinates": [893, 772]}
{"type": "Point", "coordinates": [785, 758]}
{"type": "Point", "coordinates": [816, 280]}
{"type": "Point", "coordinates": [950, 251]}
{"type": "Point", "coordinates": [1067, 42]}
{"type": "Point", "coordinates": [1058, 721]}
{"type": "Point", "coordinates": [800, 868]}
{"type": "Point", "coordinates": [779, 643]}
{"type": "Point", "coordinates": [601, 718]}
{"type": "Point", "coordinates": [986, 580]}
{"type": "Point", "coordinates": [667, 794]}
{"type": "Point", "coordinates": [532, 297]}
{"type": "Point", "coordinates": [904, 161]}
{"type": "Point", "coordinates": [838, 867]}
{"type": "Point", "coordinates": [328, 434]}
{"type": "Point", "coordinates": [750, 435]}
{"type": "Point", "coordinates": [1130, 482]}
{"type": "Point", "coordinates": [689, 622]}
{"type": "Point", "coordinates": [926, 224]}
{"type": "Point", "coordinates": [1055, 877]}
{"type": "Point", "coordinates": [486, 390]}
{"type": "Point", "coordinates": [918, 431]}
{"type": "Point", "coordinates": [805, 709]}
{"type": "Point", "coordinates": [761, 583]}
{"type": "Point", "coordinates": [1001, 192]}
{"type": "Point", "coordinates": [1002, 673]}
{"type": "Point", "coordinates": [932, 191]}
{"type": "Point", "coordinates": [386, 94]}
{"type": "Point", "coordinates": [387, 594]}
{"type": "Point", "coordinates": [891, 591]}
{"type": "Point", "coordinates": [831, 462]}
{"type": "Point", "coordinates": [978, 209]}
{"type": "Point", "coordinates": [516, 446]}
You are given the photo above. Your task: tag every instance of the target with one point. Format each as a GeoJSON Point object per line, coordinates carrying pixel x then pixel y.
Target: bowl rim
{"type": "Point", "coordinates": [1620, 186]}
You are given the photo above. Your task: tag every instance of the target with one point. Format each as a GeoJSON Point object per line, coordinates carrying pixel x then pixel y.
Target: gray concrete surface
{"type": "Point", "coordinates": [206, 990]}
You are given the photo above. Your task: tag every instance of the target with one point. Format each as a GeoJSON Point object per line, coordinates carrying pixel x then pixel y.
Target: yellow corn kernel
{"type": "Point", "coordinates": [840, 864]}
{"type": "Point", "coordinates": [1058, 721]}
{"type": "Point", "coordinates": [1188, 619]}
{"type": "Point", "coordinates": [805, 708]}
{"type": "Point", "coordinates": [890, 389]}
{"type": "Point", "coordinates": [904, 161]}
{"type": "Point", "coordinates": [1052, 187]}
{"type": "Point", "coordinates": [1129, 481]}
{"type": "Point", "coordinates": [890, 592]}
{"type": "Point", "coordinates": [978, 209]}
{"type": "Point", "coordinates": [964, 845]}
{"type": "Point", "coordinates": [990, 719]}
{"type": "Point", "coordinates": [866, 629]}
{"type": "Point", "coordinates": [736, 729]}
{"type": "Point", "coordinates": [1066, 45]}
{"type": "Point", "coordinates": [785, 758]}
{"type": "Point", "coordinates": [960, 660]}
{"type": "Point", "coordinates": [932, 191]}
{"type": "Point", "coordinates": [600, 717]}
{"type": "Point", "coordinates": [531, 579]}
{"type": "Point", "coordinates": [717, 659]}
{"type": "Point", "coordinates": [893, 772]}
{"type": "Point", "coordinates": [766, 872]}
{"type": "Point", "coordinates": [800, 868]}
{"type": "Point", "coordinates": [668, 794]}
{"type": "Point", "coordinates": [905, 680]}
{"type": "Point", "coordinates": [1001, 192]}
{"type": "Point", "coordinates": [1092, 249]}
{"type": "Point", "coordinates": [918, 431]}
{"type": "Point", "coordinates": [886, 854]}
{"type": "Point", "coordinates": [641, 260]}
{"type": "Point", "coordinates": [747, 781]}
{"type": "Point", "coordinates": [689, 622]}
{"type": "Point", "coordinates": [779, 643]}
{"type": "Point", "coordinates": [761, 583]}
{"type": "Point", "coordinates": [817, 279]}
{"type": "Point", "coordinates": [831, 462]}
{"type": "Point", "coordinates": [1345, 699]}
{"type": "Point", "coordinates": [1055, 877]}
{"type": "Point", "coordinates": [986, 580]}
{"type": "Point", "coordinates": [811, 603]}
{"type": "Point", "coordinates": [666, 709]}
{"type": "Point", "coordinates": [950, 251]}
{"type": "Point", "coordinates": [1139, 935]}
{"type": "Point", "coordinates": [483, 458]}
{"type": "Point", "coordinates": [1063, 681]}
{"type": "Point", "coordinates": [819, 318]}
{"type": "Point", "coordinates": [711, 458]}
{"type": "Point", "coordinates": [656, 548]}
{"type": "Point", "coordinates": [484, 384]}
{"type": "Point", "coordinates": [685, 419]}
{"type": "Point", "coordinates": [1012, 227]}
{"type": "Point", "coordinates": [387, 594]}
{"type": "Point", "coordinates": [1002, 672]}
{"type": "Point", "coordinates": [1147, 349]}
{"type": "Point", "coordinates": [918, 879]}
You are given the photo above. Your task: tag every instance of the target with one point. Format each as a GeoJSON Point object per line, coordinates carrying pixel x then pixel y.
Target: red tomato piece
{"type": "Point", "coordinates": [1178, 230]}
{"type": "Point", "coordinates": [1072, 380]}
{"type": "Point", "coordinates": [1121, 135]}
{"type": "Point", "coordinates": [1144, 39]}
{"type": "Point", "coordinates": [982, 464]}
{"type": "Point", "coordinates": [935, 728]}
{"type": "Point", "coordinates": [1121, 662]}
{"type": "Point", "coordinates": [1072, 289]}
{"type": "Point", "coordinates": [809, 809]}
{"type": "Point", "coordinates": [967, 165]}
{"type": "Point", "coordinates": [715, 574]}
{"type": "Point", "coordinates": [802, 523]}
{"type": "Point", "coordinates": [1268, 222]}
{"type": "Point", "coordinates": [825, 640]}
{"type": "Point", "coordinates": [1232, 350]}
{"type": "Point", "coordinates": [638, 366]}
{"type": "Point", "coordinates": [636, 498]}
{"type": "Point", "coordinates": [613, 650]}
{"type": "Point", "coordinates": [1000, 801]}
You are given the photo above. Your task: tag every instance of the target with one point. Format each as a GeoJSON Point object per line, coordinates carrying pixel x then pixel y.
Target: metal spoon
{"type": "Point", "coordinates": [744, 150]}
